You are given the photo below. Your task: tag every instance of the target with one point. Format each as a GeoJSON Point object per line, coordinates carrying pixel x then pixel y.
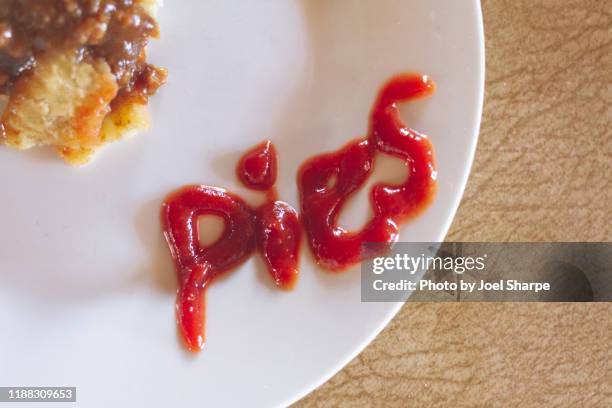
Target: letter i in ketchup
{"type": "Point", "coordinates": [273, 228]}
{"type": "Point", "coordinates": [278, 227]}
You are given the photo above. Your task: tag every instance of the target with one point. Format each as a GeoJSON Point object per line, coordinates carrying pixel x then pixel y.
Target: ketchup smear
{"type": "Point", "coordinates": [325, 182]}
{"type": "Point", "coordinates": [273, 228]}
{"type": "Point", "coordinates": [328, 180]}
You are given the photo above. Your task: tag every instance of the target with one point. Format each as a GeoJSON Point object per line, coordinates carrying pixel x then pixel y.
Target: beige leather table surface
{"type": "Point", "coordinates": [543, 172]}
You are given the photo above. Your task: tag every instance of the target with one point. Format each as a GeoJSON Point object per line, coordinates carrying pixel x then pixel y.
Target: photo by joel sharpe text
{"type": "Point", "coordinates": [490, 271]}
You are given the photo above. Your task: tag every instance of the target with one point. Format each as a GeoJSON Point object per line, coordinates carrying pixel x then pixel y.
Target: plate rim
{"type": "Point", "coordinates": [454, 207]}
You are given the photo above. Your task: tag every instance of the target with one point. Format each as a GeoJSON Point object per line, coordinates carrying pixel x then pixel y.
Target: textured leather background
{"type": "Point", "coordinates": [542, 173]}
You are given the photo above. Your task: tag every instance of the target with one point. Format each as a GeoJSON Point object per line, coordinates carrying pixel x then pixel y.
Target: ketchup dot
{"type": "Point", "coordinates": [257, 169]}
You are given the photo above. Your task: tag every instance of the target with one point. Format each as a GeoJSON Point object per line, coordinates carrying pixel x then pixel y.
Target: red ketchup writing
{"type": "Point", "coordinates": [335, 248]}
{"type": "Point", "coordinates": [274, 228]}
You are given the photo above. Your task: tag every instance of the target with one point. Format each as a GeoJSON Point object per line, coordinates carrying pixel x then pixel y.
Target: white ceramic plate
{"type": "Point", "coordinates": [86, 281]}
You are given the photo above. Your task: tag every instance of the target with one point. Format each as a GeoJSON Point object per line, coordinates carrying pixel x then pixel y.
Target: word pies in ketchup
{"type": "Point", "coordinates": [274, 229]}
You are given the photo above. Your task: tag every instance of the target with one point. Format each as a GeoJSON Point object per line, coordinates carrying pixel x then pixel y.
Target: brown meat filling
{"type": "Point", "coordinates": [115, 30]}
